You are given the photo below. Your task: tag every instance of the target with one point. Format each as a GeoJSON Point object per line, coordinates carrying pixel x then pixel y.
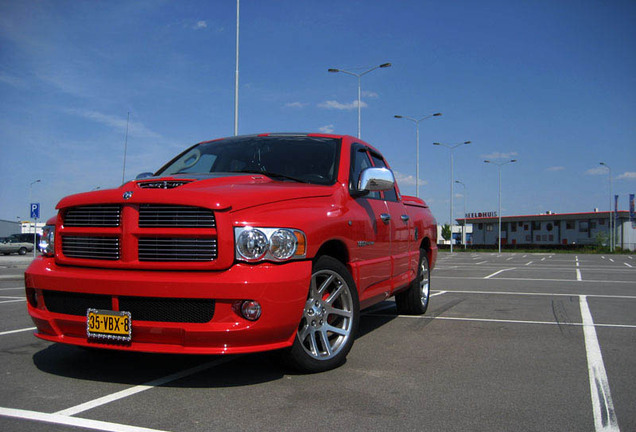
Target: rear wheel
{"type": "Point", "coordinates": [330, 319]}
{"type": "Point", "coordinates": [22, 251]}
{"type": "Point", "coordinates": [414, 301]}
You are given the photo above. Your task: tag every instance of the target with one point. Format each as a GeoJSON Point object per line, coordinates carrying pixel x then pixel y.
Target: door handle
{"type": "Point", "coordinates": [385, 217]}
{"type": "Point", "coordinates": [405, 218]}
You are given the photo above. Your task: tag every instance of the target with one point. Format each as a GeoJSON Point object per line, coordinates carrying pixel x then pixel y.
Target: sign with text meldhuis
{"type": "Point", "coordinates": [481, 215]}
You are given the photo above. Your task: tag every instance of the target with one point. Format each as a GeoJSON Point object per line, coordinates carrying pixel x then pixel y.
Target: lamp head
{"type": "Point", "coordinates": [384, 65]}
{"type": "Point", "coordinates": [397, 116]}
{"type": "Point", "coordinates": [437, 114]}
{"type": "Point", "coordinates": [333, 70]}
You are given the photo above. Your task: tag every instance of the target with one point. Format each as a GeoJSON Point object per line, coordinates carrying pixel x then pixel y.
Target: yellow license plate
{"type": "Point", "coordinates": [109, 325]}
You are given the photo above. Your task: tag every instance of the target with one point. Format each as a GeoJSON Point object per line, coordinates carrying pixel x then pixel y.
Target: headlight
{"type": "Point", "coordinates": [47, 241]}
{"type": "Point", "coordinates": [274, 244]}
{"type": "Point", "coordinates": [252, 244]}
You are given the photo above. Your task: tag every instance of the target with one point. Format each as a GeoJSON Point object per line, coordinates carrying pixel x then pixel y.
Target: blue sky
{"type": "Point", "coordinates": [550, 83]}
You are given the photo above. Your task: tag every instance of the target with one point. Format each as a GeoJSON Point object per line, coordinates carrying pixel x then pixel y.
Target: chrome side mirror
{"type": "Point", "coordinates": [144, 175]}
{"type": "Point", "coordinates": [376, 179]}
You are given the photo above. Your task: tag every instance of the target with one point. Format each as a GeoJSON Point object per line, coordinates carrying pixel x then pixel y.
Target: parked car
{"type": "Point", "coordinates": [237, 245]}
{"type": "Point", "coordinates": [10, 245]}
{"type": "Point", "coordinates": [26, 237]}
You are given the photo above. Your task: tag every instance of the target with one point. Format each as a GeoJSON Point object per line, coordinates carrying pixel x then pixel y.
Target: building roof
{"type": "Point", "coordinates": [546, 216]}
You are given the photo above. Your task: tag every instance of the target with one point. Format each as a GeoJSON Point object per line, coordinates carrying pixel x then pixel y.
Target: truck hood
{"type": "Point", "coordinates": [217, 191]}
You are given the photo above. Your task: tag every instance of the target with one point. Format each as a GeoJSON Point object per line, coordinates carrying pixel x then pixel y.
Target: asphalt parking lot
{"type": "Point", "coordinates": [523, 342]}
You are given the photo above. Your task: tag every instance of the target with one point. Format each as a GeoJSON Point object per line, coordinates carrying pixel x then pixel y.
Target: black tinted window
{"type": "Point", "coordinates": [307, 159]}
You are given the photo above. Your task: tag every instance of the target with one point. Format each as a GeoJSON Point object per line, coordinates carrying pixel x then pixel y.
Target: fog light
{"type": "Point", "coordinates": [251, 310]}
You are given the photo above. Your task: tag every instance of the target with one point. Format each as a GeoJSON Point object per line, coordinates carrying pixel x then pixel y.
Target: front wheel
{"type": "Point", "coordinates": [414, 301]}
{"type": "Point", "coordinates": [330, 319]}
{"type": "Point", "coordinates": [22, 251]}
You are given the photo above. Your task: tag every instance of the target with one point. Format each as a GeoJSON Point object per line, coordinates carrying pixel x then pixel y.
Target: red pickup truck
{"type": "Point", "coordinates": [237, 245]}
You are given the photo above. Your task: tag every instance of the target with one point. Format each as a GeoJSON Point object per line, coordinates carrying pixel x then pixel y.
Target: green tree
{"type": "Point", "coordinates": [446, 232]}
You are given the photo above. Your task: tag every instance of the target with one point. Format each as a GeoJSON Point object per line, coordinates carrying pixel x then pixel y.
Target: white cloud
{"type": "Point", "coordinates": [555, 168]}
{"type": "Point", "coordinates": [135, 129]}
{"type": "Point", "coordinates": [407, 180]}
{"type": "Point", "coordinates": [200, 25]}
{"type": "Point", "coordinates": [370, 94]}
{"type": "Point", "coordinates": [499, 155]}
{"type": "Point", "coordinates": [12, 81]}
{"type": "Point", "coordinates": [629, 175]}
{"type": "Point", "coordinates": [332, 104]}
{"type": "Point", "coordinates": [295, 105]}
{"type": "Point", "coordinates": [600, 170]}
{"type": "Point", "coordinates": [327, 129]}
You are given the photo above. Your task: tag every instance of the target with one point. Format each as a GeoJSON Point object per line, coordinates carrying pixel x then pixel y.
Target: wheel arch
{"type": "Point", "coordinates": [335, 249]}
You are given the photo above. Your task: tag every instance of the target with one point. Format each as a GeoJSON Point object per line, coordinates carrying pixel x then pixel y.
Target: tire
{"type": "Point", "coordinates": [330, 319]}
{"type": "Point", "coordinates": [414, 301]}
{"type": "Point", "coordinates": [22, 251]}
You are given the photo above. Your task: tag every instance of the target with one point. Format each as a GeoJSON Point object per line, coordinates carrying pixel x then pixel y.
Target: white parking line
{"type": "Point", "coordinates": [504, 321]}
{"type": "Point", "coordinates": [12, 289]}
{"type": "Point", "coordinates": [13, 301]}
{"type": "Point", "coordinates": [498, 272]}
{"type": "Point", "coordinates": [611, 260]}
{"type": "Point", "coordinates": [578, 275]}
{"type": "Point", "coordinates": [140, 388]}
{"type": "Point", "coordinates": [16, 331]}
{"type": "Point", "coordinates": [541, 294]}
{"type": "Point", "coordinates": [483, 262]}
{"type": "Point", "coordinates": [529, 263]}
{"type": "Point", "coordinates": [538, 280]}
{"type": "Point", "coordinates": [628, 265]}
{"type": "Point", "coordinates": [602, 405]}
{"type": "Point", "coordinates": [72, 421]}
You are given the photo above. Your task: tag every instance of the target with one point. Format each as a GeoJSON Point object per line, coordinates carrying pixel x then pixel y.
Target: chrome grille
{"type": "Point", "coordinates": [168, 184]}
{"type": "Point", "coordinates": [158, 215]}
{"type": "Point", "coordinates": [99, 248]}
{"type": "Point", "coordinates": [93, 216]}
{"type": "Point", "coordinates": [177, 249]}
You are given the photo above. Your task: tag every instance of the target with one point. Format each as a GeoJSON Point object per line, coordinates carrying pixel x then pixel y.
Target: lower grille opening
{"type": "Point", "coordinates": [168, 309]}
{"type": "Point", "coordinates": [158, 309]}
{"type": "Point", "coordinates": [75, 303]}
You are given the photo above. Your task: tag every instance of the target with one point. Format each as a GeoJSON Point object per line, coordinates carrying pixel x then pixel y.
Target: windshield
{"type": "Point", "coordinates": [286, 158]}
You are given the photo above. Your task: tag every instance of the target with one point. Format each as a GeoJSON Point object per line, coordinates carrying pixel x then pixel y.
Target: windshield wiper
{"type": "Point", "coordinates": [271, 174]}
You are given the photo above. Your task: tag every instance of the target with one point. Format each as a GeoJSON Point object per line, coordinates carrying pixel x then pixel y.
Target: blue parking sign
{"type": "Point", "coordinates": [35, 210]}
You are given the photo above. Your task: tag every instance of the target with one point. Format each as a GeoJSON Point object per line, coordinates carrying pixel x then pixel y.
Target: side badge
{"type": "Point", "coordinates": [128, 195]}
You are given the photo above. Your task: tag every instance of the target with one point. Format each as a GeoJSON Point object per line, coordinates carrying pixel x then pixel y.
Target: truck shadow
{"type": "Point", "coordinates": [133, 368]}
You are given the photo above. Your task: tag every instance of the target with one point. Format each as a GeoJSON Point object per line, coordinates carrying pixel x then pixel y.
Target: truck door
{"type": "Point", "coordinates": [373, 249]}
{"type": "Point", "coordinates": [400, 225]}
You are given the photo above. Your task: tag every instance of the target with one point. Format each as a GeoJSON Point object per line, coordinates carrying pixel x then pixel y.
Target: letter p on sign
{"type": "Point", "coordinates": [35, 210]}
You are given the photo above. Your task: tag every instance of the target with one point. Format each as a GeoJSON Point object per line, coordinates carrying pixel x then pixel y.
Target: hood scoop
{"type": "Point", "coordinates": [163, 184]}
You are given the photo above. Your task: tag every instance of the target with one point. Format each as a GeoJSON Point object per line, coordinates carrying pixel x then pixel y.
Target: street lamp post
{"type": "Point", "coordinates": [359, 75]}
{"type": "Point", "coordinates": [499, 165]}
{"type": "Point", "coordinates": [451, 147]}
{"type": "Point", "coordinates": [464, 225]}
{"type": "Point", "coordinates": [236, 72]}
{"type": "Point", "coordinates": [35, 238]}
{"type": "Point", "coordinates": [417, 146]}
{"type": "Point", "coordinates": [612, 240]}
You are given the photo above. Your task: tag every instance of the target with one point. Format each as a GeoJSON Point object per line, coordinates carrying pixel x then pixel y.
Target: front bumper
{"type": "Point", "coordinates": [281, 289]}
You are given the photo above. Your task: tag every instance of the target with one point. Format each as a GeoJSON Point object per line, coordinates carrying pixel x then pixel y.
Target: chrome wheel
{"type": "Point", "coordinates": [327, 322]}
{"type": "Point", "coordinates": [425, 282]}
{"type": "Point", "coordinates": [414, 300]}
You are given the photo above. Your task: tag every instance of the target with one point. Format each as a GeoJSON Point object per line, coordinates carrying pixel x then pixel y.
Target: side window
{"type": "Point", "coordinates": [360, 161]}
{"type": "Point", "coordinates": [389, 195]}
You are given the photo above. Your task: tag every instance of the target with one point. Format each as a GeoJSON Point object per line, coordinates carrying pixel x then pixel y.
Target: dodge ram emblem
{"type": "Point", "coordinates": [127, 195]}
